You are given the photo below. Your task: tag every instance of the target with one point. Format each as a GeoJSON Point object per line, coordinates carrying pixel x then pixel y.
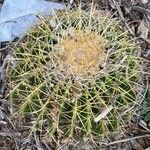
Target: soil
{"type": "Point", "coordinates": [135, 17]}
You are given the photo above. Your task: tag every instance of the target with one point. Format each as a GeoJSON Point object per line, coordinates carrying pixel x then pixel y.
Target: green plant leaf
{"type": "Point", "coordinates": [147, 117]}
{"type": "Point", "coordinates": [144, 111]}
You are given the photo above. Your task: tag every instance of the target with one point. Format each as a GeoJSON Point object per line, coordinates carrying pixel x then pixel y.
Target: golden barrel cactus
{"type": "Point", "coordinates": [75, 74]}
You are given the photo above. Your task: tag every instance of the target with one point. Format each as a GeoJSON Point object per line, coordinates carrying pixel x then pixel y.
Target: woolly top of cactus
{"type": "Point", "coordinates": [79, 53]}
{"type": "Point", "coordinates": [54, 60]}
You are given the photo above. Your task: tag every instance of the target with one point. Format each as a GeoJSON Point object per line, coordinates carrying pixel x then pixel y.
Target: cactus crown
{"type": "Point", "coordinates": [80, 53]}
{"type": "Point", "coordinates": [70, 71]}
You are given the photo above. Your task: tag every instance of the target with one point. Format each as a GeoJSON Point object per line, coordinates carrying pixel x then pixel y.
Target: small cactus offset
{"type": "Point", "coordinates": [75, 75]}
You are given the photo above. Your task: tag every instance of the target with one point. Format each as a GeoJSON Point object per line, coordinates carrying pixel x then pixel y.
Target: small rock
{"type": "Point", "coordinates": [143, 123]}
{"type": "Point", "coordinates": [144, 1]}
{"type": "Point", "coordinates": [2, 114]}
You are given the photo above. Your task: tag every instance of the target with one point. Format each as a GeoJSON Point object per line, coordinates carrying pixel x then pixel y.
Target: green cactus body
{"type": "Point", "coordinates": [68, 73]}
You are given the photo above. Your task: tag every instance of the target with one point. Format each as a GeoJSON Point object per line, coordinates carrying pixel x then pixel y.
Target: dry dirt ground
{"type": "Point", "coordinates": [135, 16]}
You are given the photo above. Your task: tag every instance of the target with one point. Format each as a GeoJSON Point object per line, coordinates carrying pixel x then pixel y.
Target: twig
{"type": "Point", "coordinates": [3, 101]}
{"type": "Point", "coordinates": [141, 9]}
{"type": "Point", "coordinates": [126, 140]}
{"type": "Point", "coordinates": [122, 18]}
{"type": "Point", "coordinates": [144, 127]}
{"type": "Point", "coordinates": [145, 40]}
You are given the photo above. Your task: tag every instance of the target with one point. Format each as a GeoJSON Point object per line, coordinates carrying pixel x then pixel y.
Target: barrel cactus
{"type": "Point", "coordinates": [75, 75]}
